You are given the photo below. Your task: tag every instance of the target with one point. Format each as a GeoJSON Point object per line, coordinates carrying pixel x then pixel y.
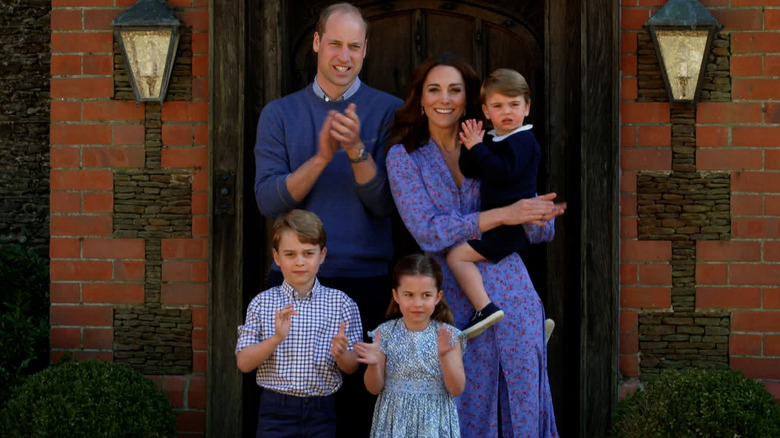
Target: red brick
{"type": "Point", "coordinates": [628, 65]}
{"type": "Point", "coordinates": [64, 88]}
{"type": "Point", "coordinates": [747, 65]}
{"type": "Point", "coordinates": [65, 337]}
{"type": "Point", "coordinates": [728, 297]}
{"type": "Point", "coordinates": [185, 157]}
{"type": "Point", "coordinates": [65, 19]}
{"type": "Point", "coordinates": [65, 111]}
{"type": "Point", "coordinates": [191, 421]}
{"type": "Point", "coordinates": [179, 3]}
{"type": "Point", "coordinates": [645, 297]}
{"type": "Point", "coordinates": [99, 19]}
{"type": "Point", "coordinates": [197, 18]}
{"type": "Point", "coordinates": [628, 136]}
{"type": "Point", "coordinates": [200, 135]}
{"type": "Point", "coordinates": [199, 361]}
{"type": "Point", "coordinates": [200, 203]}
{"type": "Point", "coordinates": [728, 250]}
{"type": "Point", "coordinates": [114, 157]}
{"type": "Point", "coordinates": [200, 43]}
{"type": "Point", "coordinates": [629, 343]}
{"type": "Point", "coordinates": [628, 42]}
{"type": "Point", "coordinates": [711, 273]}
{"type": "Point", "coordinates": [646, 159]}
{"type": "Point", "coordinates": [200, 317]}
{"type": "Point", "coordinates": [772, 159]}
{"type": "Point", "coordinates": [110, 110]}
{"type": "Point", "coordinates": [733, 159]}
{"type": "Point", "coordinates": [755, 2]}
{"type": "Point", "coordinates": [628, 182]}
{"type": "Point", "coordinates": [80, 134]}
{"type": "Point", "coordinates": [629, 320]}
{"type": "Point", "coordinates": [200, 271]}
{"type": "Point", "coordinates": [199, 3]}
{"type": "Point", "coordinates": [717, 112]}
{"type": "Point", "coordinates": [712, 136]}
{"type": "Point", "coordinates": [65, 248]}
{"type": "Point", "coordinates": [180, 111]}
{"type": "Point", "coordinates": [756, 88]}
{"type": "Point", "coordinates": [771, 298]}
{"type": "Point", "coordinates": [628, 89]}
{"type": "Point", "coordinates": [64, 157]}
{"type": "Point", "coordinates": [98, 339]}
{"type": "Point", "coordinates": [185, 249]}
{"type": "Point", "coordinates": [754, 42]}
{"type": "Point", "coordinates": [645, 251]}
{"type": "Point", "coordinates": [200, 180]}
{"type": "Point", "coordinates": [196, 394]}
{"type": "Point", "coordinates": [129, 270]}
{"type": "Point", "coordinates": [98, 203]}
{"type": "Point", "coordinates": [65, 202]}
{"type": "Point", "coordinates": [183, 294]}
{"type": "Point", "coordinates": [655, 274]}
{"type": "Point", "coordinates": [628, 228]}
{"type": "Point", "coordinates": [81, 315]}
{"type": "Point", "coordinates": [105, 356]}
{"type": "Point", "coordinates": [64, 65]}
{"type": "Point", "coordinates": [81, 42]}
{"type": "Point", "coordinates": [177, 135]}
{"type": "Point", "coordinates": [174, 390]}
{"type": "Point", "coordinates": [78, 270]}
{"type": "Point", "coordinates": [772, 345]}
{"type": "Point", "coordinates": [81, 226]}
{"type": "Point", "coordinates": [644, 112]}
{"type": "Point", "coordinates": [199, 340]}
{"type": "Point", "coordinates": [739, 19]}
{"type": "Point", "coordinates": [633, 18]}
{"type": "Point", "coordinates": [756, 136]}
{"type": "Point", "coordinates": [64, 292]}
{"type": "Point", "coordinates": [200, 65]}
{"type": "Point", "coordinates": [772, 65]}
{"type": "Point", "coordinates": [129, 134]}
{"type": "Point", "coordinates": [655, 136]}
{"type": "Point", "coordinates": [102, 65]}
{"type": "Point", "coordinates": [744, 345]}
{"type": "Point", "coordinates": [81, 179]}
{"type": "Point", "coordinates": [628, 388]}
{"type": "Point", "coordinates": [177, 271]}
{"type": "Point", "coordinates": [113, 293]}
{"type": "Point", "coordinates": [772, 203]}
{"type": "Point", "coordinates": [200, 226]}
{"type": "Point", "coordinates": [200, 86]}
{"type": "Point", "coordinates": [757, 367]}
{"type": "Point", "coordinates": [755, 228]}
{"type": "Point", "coordinates": [80, 3]}
{"type": "Point", "coordinates": [755, 182]}
{"type": "Point", "coordinates": [629, 365]}
{"type": "Point", "coordinates": [755, 321]}
{"type": "Point", "coordinates": [755, 274]}
{"type": "Point", "coordinates": [772, 251]}
{"type": "Point", "coordinates": [771, 19]}
{"type": "Point", "coordinates": [114, 248]}
{"type": "Point", "coordinates": [746, 205]}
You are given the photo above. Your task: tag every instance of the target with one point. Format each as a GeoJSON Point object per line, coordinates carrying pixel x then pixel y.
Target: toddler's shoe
{"type": "Point", "coordinates": [549, 326]}
{"type": "Point", "coordinates": [481, 320]}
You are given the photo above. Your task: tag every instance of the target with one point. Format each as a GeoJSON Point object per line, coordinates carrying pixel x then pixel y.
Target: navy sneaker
{"type": "Point", "coordinates": [481, 320]}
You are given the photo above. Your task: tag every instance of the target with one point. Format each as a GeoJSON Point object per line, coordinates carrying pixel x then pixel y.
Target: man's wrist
{"type": "Point", "coordinates": [357, 155]}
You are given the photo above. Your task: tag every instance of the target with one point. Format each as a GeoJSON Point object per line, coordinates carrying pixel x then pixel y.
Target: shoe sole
{"type": "Point", "coordinates": [549, 326]}
{"type": "Point", "coordinates": [477, 329]}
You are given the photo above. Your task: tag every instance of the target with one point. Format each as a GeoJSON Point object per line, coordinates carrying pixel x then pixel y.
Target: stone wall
{"type": "Point", "coordinates": [24, 123]}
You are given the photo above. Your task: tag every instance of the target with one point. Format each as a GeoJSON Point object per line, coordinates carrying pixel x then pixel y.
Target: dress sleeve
{"type": "Point", "coordinates": [538, 233]}
{"type": "Point", "coordinates": [435, 224]}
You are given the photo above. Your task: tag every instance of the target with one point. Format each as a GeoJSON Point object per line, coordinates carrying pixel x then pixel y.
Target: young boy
{"type": "Point", "coordinates": [507, 163]}
{"type": "Point", "coordinates": [298, 336]}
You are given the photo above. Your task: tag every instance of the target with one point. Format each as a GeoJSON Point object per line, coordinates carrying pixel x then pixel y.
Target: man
{"type": "Point", "coordinates": [322, 149]}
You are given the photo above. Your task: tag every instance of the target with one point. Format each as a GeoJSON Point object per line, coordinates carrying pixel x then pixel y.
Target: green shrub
{"type": "Point", "coordinates": [698, 403]}
{"type": "Point", "coordinates": [87, 399]}
{"type": "Point", "coordinates": [24, 316]}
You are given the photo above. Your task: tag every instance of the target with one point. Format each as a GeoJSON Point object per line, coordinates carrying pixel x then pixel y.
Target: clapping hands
{"type": "Point", "coordinates": [369, 354]}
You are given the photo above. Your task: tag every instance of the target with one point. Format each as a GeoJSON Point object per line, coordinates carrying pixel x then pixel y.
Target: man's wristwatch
{"type": "Point", "coordinates": [362, 156]}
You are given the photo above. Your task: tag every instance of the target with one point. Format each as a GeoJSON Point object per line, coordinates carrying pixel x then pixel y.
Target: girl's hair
{"type": "Point", "coordinates": [305, 224]}
{"type": "Point", "coordinates": [507, 82]}
{"type": "Point", "coordinates": [420, 264]}
{"type": "Point", "coordinates": [410, 126]}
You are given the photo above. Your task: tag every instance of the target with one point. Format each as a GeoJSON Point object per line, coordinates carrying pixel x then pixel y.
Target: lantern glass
{"type": "Point", "coordinates": [146, 54]}
{"type": "Point", "coordinates": [682, 52]}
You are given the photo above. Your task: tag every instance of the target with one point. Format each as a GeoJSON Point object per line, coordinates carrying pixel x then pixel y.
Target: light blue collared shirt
{"type": "Point", "coordinates": [347, 94]}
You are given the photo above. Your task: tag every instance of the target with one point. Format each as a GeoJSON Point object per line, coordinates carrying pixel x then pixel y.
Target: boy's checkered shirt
{"type": "Point", "coordinates": [302, 364]}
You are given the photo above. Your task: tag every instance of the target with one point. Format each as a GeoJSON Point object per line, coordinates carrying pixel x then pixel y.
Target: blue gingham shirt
{"type": "Point", "coordinates": [302, 364]}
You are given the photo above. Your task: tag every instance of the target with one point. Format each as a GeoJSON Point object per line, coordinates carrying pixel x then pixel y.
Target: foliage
{"type": "Point", "coordinates": [87, 399]}
{"type": "Point", "coordinates": [24, 316]}
{"type": "Point", "coordinates": [698, 403]}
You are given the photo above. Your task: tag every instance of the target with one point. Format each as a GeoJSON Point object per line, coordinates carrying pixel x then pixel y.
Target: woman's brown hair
{"type": "Point", "coordinates": [410, 126]}
{"type": "Point", "coordinates": [420, 264]}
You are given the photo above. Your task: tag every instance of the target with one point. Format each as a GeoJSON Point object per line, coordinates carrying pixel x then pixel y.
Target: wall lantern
{"type": "Point", "coordinates": [682, 32]}
{"type": "Point", "coordinates": [148, 33]}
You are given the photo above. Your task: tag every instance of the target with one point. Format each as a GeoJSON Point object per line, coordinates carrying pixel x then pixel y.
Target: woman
{"type": "Point", "coordinates": [506, 367]}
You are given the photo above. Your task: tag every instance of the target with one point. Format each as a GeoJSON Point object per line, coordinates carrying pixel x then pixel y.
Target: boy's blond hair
{"type": "Point", "coordinates": [305, 224]}
{"type": "Point", "coordinates": [507, 82]}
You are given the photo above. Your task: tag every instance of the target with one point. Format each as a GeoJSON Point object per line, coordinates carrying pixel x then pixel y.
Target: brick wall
{"type": "Point", "coordinates": [700, 278]}
{"type": "Point", "coordinates": [129, 206]}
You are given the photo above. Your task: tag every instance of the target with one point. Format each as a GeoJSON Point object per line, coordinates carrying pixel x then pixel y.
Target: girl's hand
{"type": "Point", "coordinates": [369, 354]}
{"type": "Point", "coordinates": [472, 133]}
{"type": "Point", "coordinates": [443, 342]}
{"type": "Point", "coordinates": [339, 343]}
{"type": "Point", "coordinates": [283, 321]}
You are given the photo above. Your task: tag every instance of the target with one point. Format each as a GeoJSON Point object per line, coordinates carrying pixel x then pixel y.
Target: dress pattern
{"type": "Point", "coordinates": [414, 402]}
{"type": "Point", "coordinates": [507, 365]}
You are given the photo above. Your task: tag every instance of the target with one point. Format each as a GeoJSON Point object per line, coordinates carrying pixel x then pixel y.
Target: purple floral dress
{"type": "Point", "coordinates": [509, 360]}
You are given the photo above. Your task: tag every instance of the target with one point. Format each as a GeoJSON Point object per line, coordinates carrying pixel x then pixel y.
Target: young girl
{"type": "Point", "coordinates": [415, 362]}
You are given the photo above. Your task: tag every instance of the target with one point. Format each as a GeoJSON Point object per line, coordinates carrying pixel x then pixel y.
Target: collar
{"type": "Point", "coordinates": [290, 291]}
{"type": "Point", "coordinates": [501, 137]}
{"type": "Point", "coordinates": [347, 94]}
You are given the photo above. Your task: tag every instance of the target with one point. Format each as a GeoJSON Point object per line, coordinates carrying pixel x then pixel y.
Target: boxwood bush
{"type": "Point", "coordinates": [698, 403]}
{"type": "Point", "coordinates": [24, 316]}
{"type": "Point", "coordinates": [87, 399]}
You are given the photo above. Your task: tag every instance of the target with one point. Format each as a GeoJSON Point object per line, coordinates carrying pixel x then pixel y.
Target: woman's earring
{"type": "Point", "coordinates": [422, 110]}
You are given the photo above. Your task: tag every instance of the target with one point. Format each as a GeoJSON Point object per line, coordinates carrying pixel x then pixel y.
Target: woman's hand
{"type": "Point", "coordinates": [537, 211]}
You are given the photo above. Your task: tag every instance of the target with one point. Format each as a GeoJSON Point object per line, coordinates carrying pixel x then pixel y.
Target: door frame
{"type": "Point", "coordinates": [581, 44]}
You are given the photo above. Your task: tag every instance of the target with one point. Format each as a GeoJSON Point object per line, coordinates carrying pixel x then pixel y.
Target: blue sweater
{"type": "Point", "coordinates": [356, 217]}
